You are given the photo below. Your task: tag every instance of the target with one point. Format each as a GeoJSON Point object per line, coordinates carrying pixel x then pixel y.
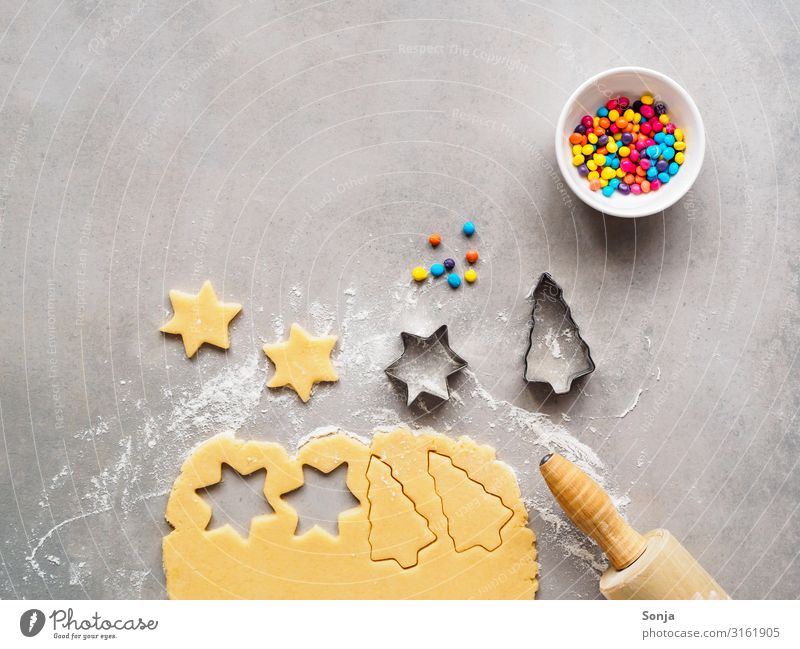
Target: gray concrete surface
{"type": "Point", "coordinates": [297, 153]}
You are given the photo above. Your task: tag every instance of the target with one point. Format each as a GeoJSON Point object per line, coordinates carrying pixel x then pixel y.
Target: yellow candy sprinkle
{"type": "Point", "coordinates": [607, 173]}
{"type": "Point", "coordinates": [587, 149]}
{"type": "Point", "coordinates": [599, 158]}
{"type": "Point", "coordinates": [664, 119]}
{"type": "Point", "coordinates": [613, 115]}
{"type": "Point", "coordinates": [636, 119]}
{"type": "Point", "coordinates": [678, 135]}
{"type": "Point", "coordinates": [636, 127]}
{"type": "Point", "coordinates": [576, 149]}
{"type": "Point", "coordinates": [591, 165]}
{"type": "Point", "coordinates": [593, 175]}
{"type": "Point", "coordinates": [620, 173]}
{"type": "Point", "coordinates": [592, 138]}
{"type": "Point", "coordinates": [628, 115]}
{"type": "Point", "coordinates": [611, 147]}
{"type": "Point", "coordinates": [647, 99]}
{"type": "Point", "coordinates": [596, 120]}
{"type": "Point", "coordinates": [578, 160]}
{"type": "Point", "coordinates": [603, 183]}
{"type": "Point", "coordinates": [617, 136]}
{"type": "Point", "coordinates": [679, 146]}
{"type": "Point", "coordinates": [470, 275]}
{"type": "Point", "coordinates": [419, 274]}
{"type": "Point", "coordinates": [624, 152]}
{"type": "Point", "coordinates": [680, 157]}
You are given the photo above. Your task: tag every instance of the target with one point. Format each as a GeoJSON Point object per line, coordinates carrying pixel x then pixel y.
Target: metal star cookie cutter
{"type": "Point", "coordinates": [545, 362]}
{"type": "Point", "coordinates": [425, 365]}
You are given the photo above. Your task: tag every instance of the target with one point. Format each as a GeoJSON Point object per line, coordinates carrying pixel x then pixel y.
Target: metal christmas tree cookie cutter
{"type": "Point", "coordinates": [545, 362]}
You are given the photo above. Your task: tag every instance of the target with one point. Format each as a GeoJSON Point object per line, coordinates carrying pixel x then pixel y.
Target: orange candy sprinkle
{"type": "Point", "coordinates": [472, 256]}
{"type": "Point", "coordinates": [435, 239]}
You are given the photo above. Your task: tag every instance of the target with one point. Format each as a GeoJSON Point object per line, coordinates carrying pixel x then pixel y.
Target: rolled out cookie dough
{"type": "Point", "coordinates": [438, 518]}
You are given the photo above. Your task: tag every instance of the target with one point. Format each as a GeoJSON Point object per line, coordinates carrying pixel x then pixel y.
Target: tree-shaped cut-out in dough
{"type": "Point", "coordinates": [397, 530]}
{"type": "Point", "coordinates": [474, 516]}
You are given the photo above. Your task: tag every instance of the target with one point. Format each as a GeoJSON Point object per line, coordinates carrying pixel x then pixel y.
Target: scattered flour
{"type": "Point", "coordinates": [222, 404]}
{"type": "Point", "coordinates": [78, 572]}
{"type": "Point", "coordinates": [538, 429]}
{"type": "Point", "coordinates": [323, 317]}
{"type": "Point", "coordinates": [278, 328]}
{"type": "Point", "coordinates": [295, 296]}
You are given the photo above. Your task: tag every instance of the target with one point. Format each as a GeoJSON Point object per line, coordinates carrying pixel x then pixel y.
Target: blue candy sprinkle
{"type": "Point", "coordinates": [673, 168]}
{"type": "Point", "coordinates": [608, 190]}
{"type": "Point", "coordinates": [658, 138]}
{"type": "Point", "coordinates": [653, 151]}
{"type": "Point", "coordinates": [437, 270]}
{"type": "Point", "coordinates": [668, 153]}
{"type": "Point", "coordinates": [454, 280]}
{"type": "Point", "coordinates": [664, 177]}
{"type": "Point", "coordinates": [469, 230]}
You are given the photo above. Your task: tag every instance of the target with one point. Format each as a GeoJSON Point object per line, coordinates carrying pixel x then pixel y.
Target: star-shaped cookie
{"type": "Point", "coordinates": [200, 318]}
{"type": "Point", "coordinates": [425, 364]}
{"type": "Point", "coordinates": [301, 361]}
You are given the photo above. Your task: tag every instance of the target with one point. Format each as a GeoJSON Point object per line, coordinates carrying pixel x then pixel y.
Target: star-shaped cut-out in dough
{"type": "Point", "coordinates": [201, 318]}
{"type": "Point", "coordinates": [302, 361]}
{"type": "Point", "coordinates": [425, 364]}
{"type": "Point", "coordinates": [320, 499]}
{"type": "Point", "coordinates": [236, 500]}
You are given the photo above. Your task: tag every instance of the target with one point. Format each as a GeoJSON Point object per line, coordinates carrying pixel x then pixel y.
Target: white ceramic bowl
{"type": "Point", "coordinates": [632, 83]}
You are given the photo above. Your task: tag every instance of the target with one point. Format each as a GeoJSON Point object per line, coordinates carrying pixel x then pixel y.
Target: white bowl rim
{"type": "Point", "coordinates": [592, 200]}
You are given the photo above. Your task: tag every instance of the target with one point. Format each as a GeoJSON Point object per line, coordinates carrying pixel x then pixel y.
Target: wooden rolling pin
{"type": "Point", "coordinates": [650, 566]}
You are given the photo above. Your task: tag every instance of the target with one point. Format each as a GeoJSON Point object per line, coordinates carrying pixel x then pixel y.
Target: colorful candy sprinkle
{"type": "Point", "coordinates": [437, 270]}
{"type": "Point", "coordinates": [472, 256]}
{"type": "Point", "coordinates": [469, 228]}
{"type": "Point", "coordinates": [470, 275]}
{"type": "Point", "coordinates": [435, 239]}
{"type": "Point", "coordinates": [419, 274]}
{"type": "Point", "coordinates": [454, 280]}
{"type": "Point", "coordinates": [449, 264]}
{"type": "Point", "coordinates": [628, 148]}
